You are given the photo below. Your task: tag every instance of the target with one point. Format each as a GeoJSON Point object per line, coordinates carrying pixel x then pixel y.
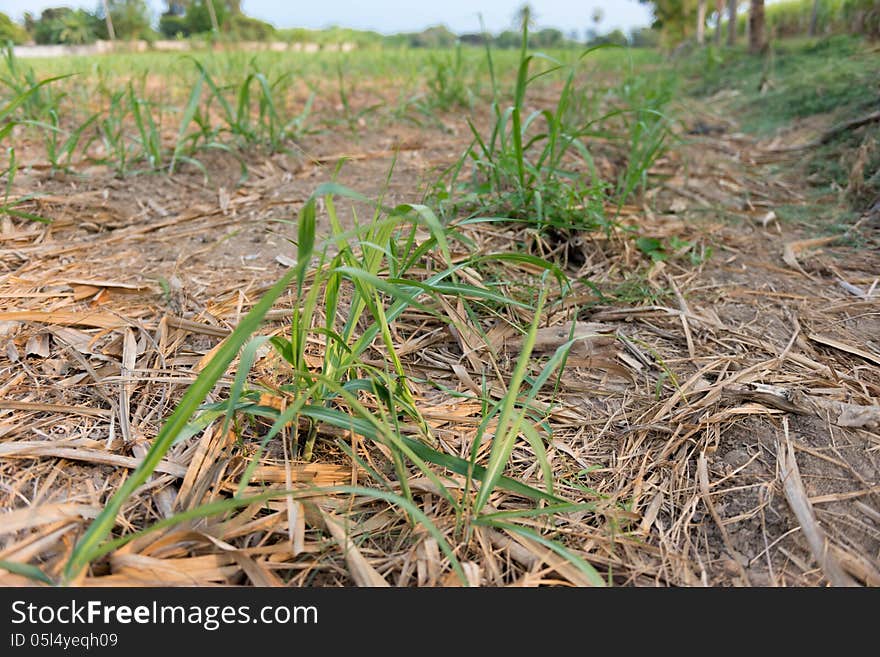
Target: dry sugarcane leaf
{"type": "Point", "coordinates": [93, 319]}
{"type": "Point", "coordinates": [35, 516]}
{"type": "Point", "coordinates": [54, 408]}
{"type": "Point", "coordinates": [799, 502]}
{"type": "Point", "coordinates": [361, 571]}
{"type": "Point", "coordinates": [8, 328]}
{"type": "Point", "coordinates": [218, 568]}
{"type": "Point", "coordinates": [773, 396]}
{"type": "Point", "coordinates": [850, 415]}
{"type": "Point", "coordinates": [38, 345]}
{"type": "Point", "coordinates": [116, 285]}
{"type": "Point", "coordinates": [791, 250]}
{"type": "Point", "coordinates": [79, 340]}
{"type": "Point", "coordinates": [589, 338]}
{"type": "Point", "coordinates": [68, 450]}
{"type": "Point", "coordinates": [842, 346]}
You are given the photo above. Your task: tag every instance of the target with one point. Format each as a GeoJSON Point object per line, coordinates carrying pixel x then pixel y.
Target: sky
{"type": "Point", "coordinates": [389, 16]}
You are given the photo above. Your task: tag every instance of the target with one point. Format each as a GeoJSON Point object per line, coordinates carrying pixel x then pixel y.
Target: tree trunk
{"type": "Point", "coordinates": [731, 22]}
{"type": "Point", "coordinates": [213, 15]}
{"type": "Point", "coordinates": [701, 22]}
{"type": "Point", "coordinates": [814, 18]}
{"type": "Point", "coordinates": [719, 9]}
{"type": "Point", "coordinates": [110, 31]}
{"type": "Point", "coordinates": [756, 26]}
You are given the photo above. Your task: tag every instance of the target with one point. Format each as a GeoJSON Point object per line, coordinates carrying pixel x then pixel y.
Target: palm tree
{"type": "Point", "coordinates": [731, 22]}
{"type": "Point", "coordinates": [756, 26]}
{"type": "Point", "coordinates": [701, 21]}
{"type": "Point", "coordinates": [76, 29]}
{"type": "Point", "coordinates": [110, 31]}
{"type": "Point", "coordinates": [814, 18]}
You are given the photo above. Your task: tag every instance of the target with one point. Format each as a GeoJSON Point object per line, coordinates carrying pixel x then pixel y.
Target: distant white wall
{"type": "Point", "coordinates": [106, 47]}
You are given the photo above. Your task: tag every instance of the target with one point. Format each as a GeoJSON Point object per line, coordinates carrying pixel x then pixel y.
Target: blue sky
{"type": "Point", "coordinates": [407, 15]}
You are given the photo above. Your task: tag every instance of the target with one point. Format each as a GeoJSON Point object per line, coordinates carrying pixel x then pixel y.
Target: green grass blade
{"type": "Point", "coordinates": [26, 570]}
{"type": "Point", "coordinates": [461, 466]}
{"type": "Point", "coordinates": [537, 443]}
{"type": "Point", "coordinates": [189, 113]}
{"type": "Point", "coordinates": [508, 429]}
{"type": "Point", "coordinates": [591, 574]}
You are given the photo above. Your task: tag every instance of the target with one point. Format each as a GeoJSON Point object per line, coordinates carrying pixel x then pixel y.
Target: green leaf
{"type": "Point", "coordinates": [461, 466]}
{"type": "Point", "coordinates": [652, 247]}
{"type": "Point", "coordinates": [592, 575]}
{"type": "Point", "coordinates": [188, 113]}
{"type": "Point", "coordinates": [26, 570]}
{"type": "Point", "coordinates": [305, 239]}
{"type": "Point", "coordinates": [508, 426]}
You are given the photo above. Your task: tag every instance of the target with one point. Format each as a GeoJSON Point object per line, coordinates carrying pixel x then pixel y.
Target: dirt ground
{"type": "Point", "coordinates": [731, 434]}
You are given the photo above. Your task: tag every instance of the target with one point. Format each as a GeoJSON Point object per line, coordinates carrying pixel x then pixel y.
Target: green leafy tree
{"type": "Point", "coordinates": [674, 18]}
{"type": "Point", "coordinates": [130, 18]}
{"type": "Point", "coordinates": [63, 25]}
{"type": "Point", "coordinates": [438, 36]}
{"type": "Point", "coordinates": [508, 39]}
{"type": "Point", "coordinates": [11, 31]}
{"type": "Point", "coordinates": [172, 26]}
{"type": "Point", "coordinates": [198, 17]}
{"type": "Point", "coordinates": [47, 28]}
{"type": "Point", "coordinates": [172, 23]}
{"type": "Point", "coordinates": [548, 38]}
{"type": "Point", "coordinates": [77, 28]}
{"type": "Point", "coordinates": [644, 37]}
{"type": "Point", "coordinates": [246, 28]}
{"type": "Point", "coordinates": [615, 37]}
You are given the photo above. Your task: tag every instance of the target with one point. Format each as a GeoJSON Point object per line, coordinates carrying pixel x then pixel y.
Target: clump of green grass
{"type": "Point", "coordinates": [646, 128]}
{"type": "Point", "coordinates": [373, 264]}
{"type": "Point", "coordinates": [354, 118]}
{"type": "Point", "coordinates": [13, 207]}
{"type": "Point", "coordinates": [36, 98]}
{"type": "Point", "coordinates": [448, 83]}
{"type": "Point", "coordinates": [252, 109]}
{"type": "Point", "coordinates": [536, 166]}
{"type": "Point", "coordinates": [27, 101]}
{"type": "Point", "coordinates": [132, 126]}
{"type": "Point", "coordinates": [516, 170]}
{"type": "Point", "coordinates": [131, 133]}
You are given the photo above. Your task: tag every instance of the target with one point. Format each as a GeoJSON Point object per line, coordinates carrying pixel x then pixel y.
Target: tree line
{"type": "Point", "coordinates": [675, 21]}
{"type": "Point", "coordinates": [723, 21]}
{"type": "Point", "coordinates": [131, 19]}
